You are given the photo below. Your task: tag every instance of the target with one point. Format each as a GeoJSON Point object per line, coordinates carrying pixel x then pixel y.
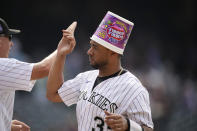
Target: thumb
{"type": "Point", "coordinates": [107, 113]}
{"type": "Point", "coordinates": [72, 27]}
{"type": "Point", "coordinates": [17, 127]}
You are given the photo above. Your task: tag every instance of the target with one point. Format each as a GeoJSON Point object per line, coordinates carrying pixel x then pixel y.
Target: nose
{"type": "Point", "coordinates": [89, 52]}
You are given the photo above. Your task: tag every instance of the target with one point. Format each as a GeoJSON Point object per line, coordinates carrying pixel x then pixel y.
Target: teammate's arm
{"type": "Point", "coordinates": [41, 69]}
{"type": "Point", "coordinates": [55, 78]}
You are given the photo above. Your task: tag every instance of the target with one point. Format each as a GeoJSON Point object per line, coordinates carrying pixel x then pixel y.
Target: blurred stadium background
{"type": "Point", "coordinates": [161, 52]}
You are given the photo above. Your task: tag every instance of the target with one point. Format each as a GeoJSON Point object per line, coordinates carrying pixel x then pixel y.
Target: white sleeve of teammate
{"type": "Point", "coordinates": [15, 75]}
{"type": "Point", "coordinates": [139, 110]}
{"type": "Point", "coordinates": [70, 90]}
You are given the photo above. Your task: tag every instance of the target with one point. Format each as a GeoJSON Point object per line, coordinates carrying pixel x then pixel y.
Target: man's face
{"type": "Point", "coordinates": [98, 55]}
{"type": "Point", "coordinates": [5, 46]}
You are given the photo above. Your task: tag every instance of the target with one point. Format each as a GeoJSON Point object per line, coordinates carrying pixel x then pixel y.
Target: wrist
{"type": "Point", "coordinates": [134, 126]}
{"type": "Point", "coordinates": [61, 55]}
{"type": "Point", "coordinates": [142, 128]}
{"type": "Point", "coordinates": [128, 125]}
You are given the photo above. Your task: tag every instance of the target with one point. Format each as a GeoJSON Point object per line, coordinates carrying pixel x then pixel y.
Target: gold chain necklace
{"type": "Point", "coordinates": [120, 72]}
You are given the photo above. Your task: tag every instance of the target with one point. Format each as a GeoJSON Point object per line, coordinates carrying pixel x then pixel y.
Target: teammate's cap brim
{"type": "Point", "coordinates": [12, 31]}
{"type": "Point", "coordinates": [4, 28]}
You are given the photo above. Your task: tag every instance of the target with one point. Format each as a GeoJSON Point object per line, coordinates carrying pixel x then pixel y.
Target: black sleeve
{"type": "Point", "coordinates": [128, 122]}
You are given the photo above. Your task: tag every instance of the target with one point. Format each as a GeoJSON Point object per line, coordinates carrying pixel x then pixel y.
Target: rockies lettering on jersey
{"type": "Point", "coordinates": [99, 100]}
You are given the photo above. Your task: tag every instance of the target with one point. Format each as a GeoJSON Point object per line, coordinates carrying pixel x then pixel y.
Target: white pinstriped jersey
{"type": "Point", "coordinates": [14, 75]}
{"type": "Point", "coordinates": [123, 94]}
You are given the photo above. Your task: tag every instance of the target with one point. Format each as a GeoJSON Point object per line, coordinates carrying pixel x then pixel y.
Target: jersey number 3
{"type": "Point", "coordinates": [101, 123]}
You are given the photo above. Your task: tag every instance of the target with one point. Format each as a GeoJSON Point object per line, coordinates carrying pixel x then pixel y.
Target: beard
{"type": "Point", "coordinates": [99, 65]}
{"type": "Point", "coordinates": [95, 66]}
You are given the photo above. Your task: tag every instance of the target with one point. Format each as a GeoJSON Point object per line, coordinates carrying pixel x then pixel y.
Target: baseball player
{"type": "Point", "coordinates": [16, 75]}
{"type": "Point", "coordinates": [108, 98]}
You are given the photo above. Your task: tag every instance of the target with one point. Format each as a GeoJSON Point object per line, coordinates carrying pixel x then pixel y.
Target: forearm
{"type": "Point", "coordinates": [55, 78]}
{"type": "Point", "coordinates": [41, 69]}
{"type": "Point", "coordinates": [49, 60]}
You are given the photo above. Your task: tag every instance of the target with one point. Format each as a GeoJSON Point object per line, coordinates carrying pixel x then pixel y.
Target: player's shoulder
{"type": "Point", "coordinates": [89, 73]}
{"type": "Point", "coordinates": [131, 77]}
{"type": "Point", "coordinates": [7, 61]}
{"type": "Point", "coordinates": [11, 61]}
{"type": "Point", "coordinates": [132, 81]}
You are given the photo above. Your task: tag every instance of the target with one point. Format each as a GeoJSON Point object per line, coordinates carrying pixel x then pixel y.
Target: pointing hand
{"type": "Point", "coordinates": [67, 43]}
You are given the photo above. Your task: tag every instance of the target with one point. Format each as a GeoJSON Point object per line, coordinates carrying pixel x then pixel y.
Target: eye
{"type": "Point", "coordinates": [94, 46]}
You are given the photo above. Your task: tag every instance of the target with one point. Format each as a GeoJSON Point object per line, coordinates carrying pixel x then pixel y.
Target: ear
{"type": "Point", "coordinates": [114, 53]}
{"type": "Point", "coordinates": [110, 52]}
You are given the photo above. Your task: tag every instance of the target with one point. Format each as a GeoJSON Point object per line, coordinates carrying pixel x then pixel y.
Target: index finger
{"type": "Point", "coordinates": [115, 117]}
{"type": "Point", "coordinates": [72, 27]}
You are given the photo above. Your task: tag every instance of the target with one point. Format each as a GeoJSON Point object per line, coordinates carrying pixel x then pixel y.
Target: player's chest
{"type": "Point", "coordinates": [105, 96]}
